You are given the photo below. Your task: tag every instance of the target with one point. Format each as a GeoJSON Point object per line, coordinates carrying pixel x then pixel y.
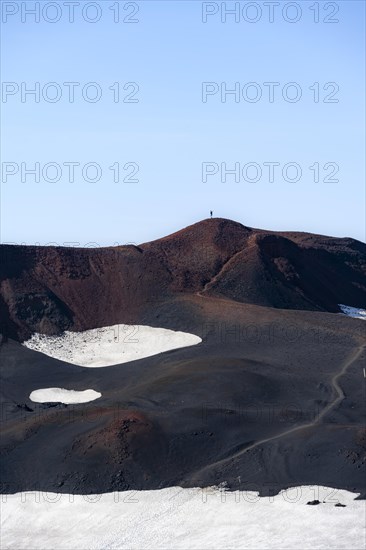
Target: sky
{"type": "Point", "coordinates": [149, 81]}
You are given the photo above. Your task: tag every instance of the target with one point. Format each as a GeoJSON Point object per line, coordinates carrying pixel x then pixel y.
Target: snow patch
{"type": "Point", "coordinates": [355, 312]}
{"type": "Point", "coordinates": [60, 395]}
{"type": "Point", "coordinates": [177, 518]}
{"type": "Point", "coordinates": [106, 346]}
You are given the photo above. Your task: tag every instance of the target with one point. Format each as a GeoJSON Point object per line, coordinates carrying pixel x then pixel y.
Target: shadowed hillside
{"type": "Point", "coordinates": [51, 289]}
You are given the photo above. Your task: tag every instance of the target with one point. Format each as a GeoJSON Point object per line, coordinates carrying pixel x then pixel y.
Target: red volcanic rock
{"type": "Point", "coordinates": [51, 289]}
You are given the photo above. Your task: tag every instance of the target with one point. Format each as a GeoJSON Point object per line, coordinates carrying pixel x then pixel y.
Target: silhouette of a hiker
{"type": "Point", "coordinates": [211, 213]}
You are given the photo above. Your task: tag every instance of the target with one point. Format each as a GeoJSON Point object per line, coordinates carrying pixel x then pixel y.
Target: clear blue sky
{"type": "Point", "coordinates": [170, 131]}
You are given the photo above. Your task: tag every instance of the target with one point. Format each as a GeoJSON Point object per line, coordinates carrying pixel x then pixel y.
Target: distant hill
{"type": "Point", "coordinates": [51, 289]}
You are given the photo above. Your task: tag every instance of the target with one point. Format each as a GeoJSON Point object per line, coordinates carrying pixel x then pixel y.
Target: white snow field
{"type": "Point", "coordinates": [177, 518]}
{"type": "Point", "coordinates": [60, 395]}
{"type": "Point", "coordinates": [358, 313]}
{"type": "Point", "coordinates": [106, 346]}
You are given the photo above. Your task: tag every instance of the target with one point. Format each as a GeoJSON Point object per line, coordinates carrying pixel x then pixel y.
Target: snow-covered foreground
{"type": "Point", "coordinates": [185, 519]}
{"type": "Point", "coordinates": [112, 345]}
{"type": "Point", "coordinates": [60, 395]}
{"type": "Point", "coordinates": [358, 313]}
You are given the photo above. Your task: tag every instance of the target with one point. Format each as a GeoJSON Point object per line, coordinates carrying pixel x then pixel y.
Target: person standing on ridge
{"type": "Point", "coordinates": [211, 213]}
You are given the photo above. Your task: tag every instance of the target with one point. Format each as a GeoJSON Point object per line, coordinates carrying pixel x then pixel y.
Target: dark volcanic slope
{"type": "Point", "coordinates": [273, 396]}
{"type": "Point", "coordinates": [48, 289]}
{"type": "Point", "coordinates": [186, 417]}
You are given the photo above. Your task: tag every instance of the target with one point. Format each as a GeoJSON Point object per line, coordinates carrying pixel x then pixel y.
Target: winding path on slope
{"type": "Point", "coordinates": [334, 383]}
{"type": "Point", "coordinates": [340, 396]}
{"type": "Point", "coordinates": [214, 279]}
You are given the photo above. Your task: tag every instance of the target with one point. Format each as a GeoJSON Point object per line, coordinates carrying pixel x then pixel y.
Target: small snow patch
{"type": "Point", "coordinates": [355, 312]}
{"type": "Point", "coordinates": [60, 395]}
{"type": "Point", "coordinates": [106, 346]}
